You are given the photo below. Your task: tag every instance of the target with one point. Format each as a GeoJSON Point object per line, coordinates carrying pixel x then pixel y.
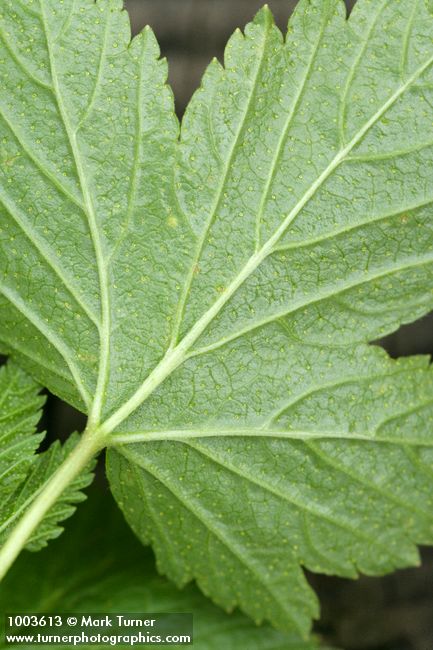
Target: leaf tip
{"type": "Point", "coordinates": [265, 16]}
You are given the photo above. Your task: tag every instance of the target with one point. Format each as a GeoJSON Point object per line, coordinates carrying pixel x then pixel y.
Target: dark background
{"type": "Point", "coordinates": [391, 613]}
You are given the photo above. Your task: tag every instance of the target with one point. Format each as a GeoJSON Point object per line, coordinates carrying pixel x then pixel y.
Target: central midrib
{"type": "Point", "coordinates": [175, 357]}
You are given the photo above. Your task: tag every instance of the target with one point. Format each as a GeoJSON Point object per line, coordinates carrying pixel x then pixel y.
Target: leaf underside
{"type": "Point", "coordinates": [211, 296]}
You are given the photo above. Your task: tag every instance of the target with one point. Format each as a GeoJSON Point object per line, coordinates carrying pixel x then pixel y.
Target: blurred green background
{"type": "Point", "coordinates": [392, 613]}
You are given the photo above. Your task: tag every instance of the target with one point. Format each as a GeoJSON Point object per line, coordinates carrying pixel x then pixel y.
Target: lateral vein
{"type": "Point", "coordinates": [97, 402]}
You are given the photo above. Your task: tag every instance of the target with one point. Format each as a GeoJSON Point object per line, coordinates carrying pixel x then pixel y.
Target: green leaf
{"type": "Point", "coordinates": [20, 410]}
{"type": "Point", "coordinates": [208, 300]}
{"type": "Point", "coordinates": [87, 573]}
{"type": "Point", "coordinates": [42, 470]}
{"type": "Point", "coordinates": [23, 472]}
